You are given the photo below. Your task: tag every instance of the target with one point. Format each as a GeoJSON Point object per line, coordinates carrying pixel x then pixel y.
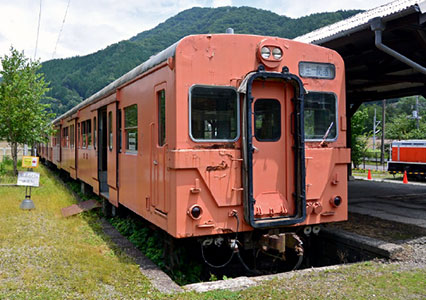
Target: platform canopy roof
{"type": "Point", "coordinates": [384, 50]}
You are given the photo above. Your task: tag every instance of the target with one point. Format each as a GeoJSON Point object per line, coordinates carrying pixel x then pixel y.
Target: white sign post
{"type": "Point", "coordinates": [28, 179]}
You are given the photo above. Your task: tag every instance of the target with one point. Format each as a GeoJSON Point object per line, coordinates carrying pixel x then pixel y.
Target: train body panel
{"type": "Point", "coordinates": [204, 135]}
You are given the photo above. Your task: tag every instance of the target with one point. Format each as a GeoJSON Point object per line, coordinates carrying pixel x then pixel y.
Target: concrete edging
{"type": "Point", "coordinates": [375, 246]}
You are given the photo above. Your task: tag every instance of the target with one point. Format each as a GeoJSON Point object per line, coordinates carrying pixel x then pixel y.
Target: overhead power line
{"type": "Point", "coordinates": [38, 31]}
{"type": "Point", "coordinates": [62, 27]}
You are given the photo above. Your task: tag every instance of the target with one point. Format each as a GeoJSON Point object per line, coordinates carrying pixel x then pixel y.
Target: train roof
{"type": "Point", "coordinates": [409, 143]}
{"type": "Point", "coordinates": [129, 76]}
{"type": "Point", "coordinates": [132, 74]}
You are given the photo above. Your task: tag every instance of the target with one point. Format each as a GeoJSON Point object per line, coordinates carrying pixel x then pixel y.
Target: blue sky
{"type": "Point", "coordinates": [92, 25]}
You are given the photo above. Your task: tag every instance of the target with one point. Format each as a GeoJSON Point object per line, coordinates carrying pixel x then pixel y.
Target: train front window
{"type": "Point", "coordinates": [320, 116]}
{"type": "Point", "coordinates": [267, 118]}
{"type": "Point", "coordinates": [214, 113]}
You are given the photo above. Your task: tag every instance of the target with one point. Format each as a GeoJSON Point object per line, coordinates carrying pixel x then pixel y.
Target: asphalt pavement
{"type": "Point", "coordinates": [394, 201]}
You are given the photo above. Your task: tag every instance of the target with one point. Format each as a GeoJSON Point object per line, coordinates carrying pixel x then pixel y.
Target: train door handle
{"type": "Point", "coordinates": [255, 149]}
{"type": "Point", "coordinates": [155, 162]}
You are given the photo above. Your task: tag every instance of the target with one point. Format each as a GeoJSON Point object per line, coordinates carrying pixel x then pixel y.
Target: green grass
{"type": "Point", "coordinates": [377, 174]}
{"type": "Point", "coordinates": [45, 256]}
{"type": "Point", "coordinates": [369, 280]}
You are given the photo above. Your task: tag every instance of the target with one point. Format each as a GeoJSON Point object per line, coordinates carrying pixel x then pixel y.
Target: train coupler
{"type": "Point", "coordinates": [279, 242]}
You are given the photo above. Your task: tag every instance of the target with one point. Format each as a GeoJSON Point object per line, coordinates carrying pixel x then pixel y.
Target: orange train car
{"type": "Point", "coordinates": [216, 134]}
{"type": "Point", "coordinates": [408, 156]}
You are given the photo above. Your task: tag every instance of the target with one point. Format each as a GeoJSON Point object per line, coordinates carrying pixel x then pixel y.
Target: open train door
{"type": "Point", "coordinates": [273, 148]}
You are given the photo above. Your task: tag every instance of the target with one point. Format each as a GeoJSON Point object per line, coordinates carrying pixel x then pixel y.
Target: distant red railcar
{"type": "Point", "coordinates": [408, 156]}
{"type": "Point", "coordinates": [218, 134]}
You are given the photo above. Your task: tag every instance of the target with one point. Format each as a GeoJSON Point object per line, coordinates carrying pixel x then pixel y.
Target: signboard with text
{"type": "Point", "coordinates": [29, 161]}
{"type": "Point", "coordinates": [28, 179]}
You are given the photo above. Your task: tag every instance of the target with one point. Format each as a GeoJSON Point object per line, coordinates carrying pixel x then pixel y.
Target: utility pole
{"type": "Point", "coordinates": [417, 112]}
{"type": "Point", "coordinates": [382, 150]}
{"type": "Point", "coordinates": [375, 130]}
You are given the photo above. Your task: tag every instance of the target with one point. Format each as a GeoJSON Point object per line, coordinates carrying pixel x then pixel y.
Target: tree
{"type": "Point", "coordinates": [358, 136]}
{"type": "Point", "coordinates": [23, 119]}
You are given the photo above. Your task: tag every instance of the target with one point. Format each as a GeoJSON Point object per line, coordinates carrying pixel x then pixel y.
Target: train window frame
{"type": "Point", "coordinates": [64, 137]}
{"type": "Point", "coordinates": [72, 136]}
{"type": "Point", "coordinates": [119, 131]}
{"type": "Point", "coordinates": [237, 119]}
{"type": "Point", "coordinates": [336, 121]}
{"type": "Point", "coordinates": [255, 114]}
{"type": "Point", "coordinates": [110, 131]}
{"type": "Point", "coordinates": [129, 129]}
{"type": "Point", "coordinates": [94, 133]}
{"type": "Point", "coordinates": [83, 135]}
{"type": "Point", "coordinates": [161, 117]}
{"type": "Point", "coordinates": [89, 133]}
{"type": "Point", "coordinates": [78, 135]}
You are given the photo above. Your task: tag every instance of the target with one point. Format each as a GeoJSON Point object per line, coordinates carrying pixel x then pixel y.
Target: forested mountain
{"type": "Point", "coordinates": [74, 79]}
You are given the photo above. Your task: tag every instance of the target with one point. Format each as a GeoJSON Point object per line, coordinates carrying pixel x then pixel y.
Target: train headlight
{"type": "Point", "coordinates": [277, 53]}
{"type": "Point", "coordinates": [195, 212]}
{"type": "Point", "coordinates": [265, 52]}
{"type": "Point", "coordinates": [336, 201]}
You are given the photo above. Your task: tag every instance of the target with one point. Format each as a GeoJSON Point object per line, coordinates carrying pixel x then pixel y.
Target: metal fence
{"type": "Point", "coordinates": [5, 150]}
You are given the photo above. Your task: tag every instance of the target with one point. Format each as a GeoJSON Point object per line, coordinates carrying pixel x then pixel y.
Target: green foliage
{"type": "Point", "coordinates": [77, 78]}
{"type": "Point", "coordinates": [400, 124]}
{"type": "Point", "coordinates": [358, 136]}
{"type": "Point", "coordinates": [23, 119]}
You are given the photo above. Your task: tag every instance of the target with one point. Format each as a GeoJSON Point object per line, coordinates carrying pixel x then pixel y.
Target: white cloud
{"type": "Point", "coordinates": [218, 3]}
{"type": "Point", "coordinates": [95, 24]}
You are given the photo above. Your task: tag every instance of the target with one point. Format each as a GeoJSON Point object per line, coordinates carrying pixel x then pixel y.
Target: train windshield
{"type": "Point", "coordinates": [214, 113]}
{"type": "Point", "coordinates": [320, 113]}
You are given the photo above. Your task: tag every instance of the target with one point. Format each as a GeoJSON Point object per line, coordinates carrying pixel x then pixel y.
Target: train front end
{"type": "Point", "coordinates": [260, 139]}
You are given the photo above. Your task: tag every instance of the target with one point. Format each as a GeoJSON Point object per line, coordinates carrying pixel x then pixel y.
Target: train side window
{"type": "Point", "coordinates": [83, 134]}
{"type": "Point", "coordinates": [320, 116]}
{"type": "Point", "coordinates": [72, 137]}
{"type": "Point", "coordinates": [267, 119]}
{"type": "Point", "coordinates": [64, 137]}
{"type": "Point", "coordinates": [67, 138]}
{"type": "Point", "coordinates": [110, 136]}
{"type": "Point", "coordinates": [131, 127]}
{"type": "Point", "coordinates": [78, 135]}
{"type": "Point", "coordinates": [161, 96]}
{"type": "Point", "coordinates": [89, 133]}
{"type": "Point", "coordinates": [119, 134]}
{"type": "Point", "coordinates": [214, 114]}
{"type": "Point", "coordinates": [94, 132]}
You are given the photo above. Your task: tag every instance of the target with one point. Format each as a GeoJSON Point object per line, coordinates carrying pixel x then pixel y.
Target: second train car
{"type": "Point", "coordinates": [216, 134]}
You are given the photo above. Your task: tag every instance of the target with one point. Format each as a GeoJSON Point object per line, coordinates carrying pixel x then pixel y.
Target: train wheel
{"type": "Point", "coordinates": [108, 209]}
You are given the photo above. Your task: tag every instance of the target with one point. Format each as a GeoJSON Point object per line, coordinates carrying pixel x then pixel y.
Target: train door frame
{"type": "Point", "coordinates": [112, 153]}
{"type": "Point", "coordinates": [103, 152]}
{"type": "Point", "coordinates": [299, 148]}
{"type": "Point", "coordinates": [158, 154]}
